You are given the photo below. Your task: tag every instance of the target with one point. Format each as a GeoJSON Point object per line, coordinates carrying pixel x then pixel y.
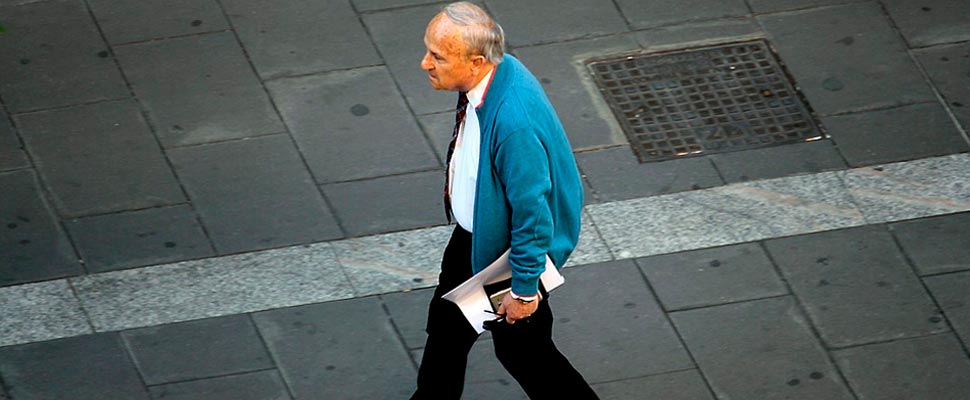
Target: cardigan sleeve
{"type": "Point", "coordinates": [522, 165]}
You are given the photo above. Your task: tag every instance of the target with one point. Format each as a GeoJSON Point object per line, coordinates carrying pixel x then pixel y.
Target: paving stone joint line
{"type": "Point", "coordinates": [812, 326]}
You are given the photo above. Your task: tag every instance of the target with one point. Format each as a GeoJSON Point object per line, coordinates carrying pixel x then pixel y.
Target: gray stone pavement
{"type": "Point", "coordinates": [239, 199]}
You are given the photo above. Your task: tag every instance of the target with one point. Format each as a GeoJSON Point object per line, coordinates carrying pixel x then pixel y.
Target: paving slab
{"type": "Point", "coordinates": [138, 238]}
{"type": "Point", "coordinates": [99, 158]}
{"type": "Point", "coordinates": [936, 245]}
{"type": "Point", "coordinates": [438, 128]}
{"type": "Point", "coordinates": [779, 161]}
{"type": "Point", "coordinates": [197, 349]}
{"type": "Point", "coordinates": [561, 68]}
{"type": "Point", "coordinates": [352, 125]}
{"type": "Point", "coordinates": [135, 21]}
{"type": "Point", "coordinates": [699, 34]}
{"type": "Point", "coordinates": [897, 134]}
{"type": "Point", "coordinates": [189, 98]}
{"type": "Point", "coordinates": [681, 385]}
{"type": "Point", "coordinates": [212, 287]}
{"type": "Point", "coordinates": [285, 38]}
{"type": "Point", "coordinates": [649, 15]}
{"type": "Point", "coordinates": [615, 174]}
{"type": "Point", "coordinates": [44, 68]}
{"type": "Point", "coordinates": [495, 389]}
{"type": "Point", "coordinates": [399, 37]}
{"type": "Point", "coordinates": [409, 313]}
{"type": "Point", "coordinates": [908, 190]}
{"type": "Point", "coordinates": [254, 194]}
{"type": "Point", "coordinates": [768, 6]}
{"type": "Point", "coordinates": [394, 261]}
{"type": "Point", "coordinates": [40, 311]}
{"type": "Point", "coordinates": [389, 204]}
{"type": "Point", "coordinates": [345, 349]}
{"type": "Point", "coordinates": [856, 286]}
{"type": "Point", "coordinates": [372, 5]}
{"type": "Point", "coordinates": [91, 367]}
{"type": "Point", "coordinates": [34, 246]}
{"type": "Point", "coordinates": [933, 367]}
{"type": "Point", "coordinates": [640, 340]}
{"type": "Point", "coordinates": [262, 385]}
{"type": "Point", "coordinates": [712, 276]}
{"type": "Point", "coordinates": [947, 68]}
{"type": "Point", "coordinates": [12, 154]}
{"type": "Point", "coordinates": [573, 19]}
{"type": "Point", "coordinates": [846, 58]}
{"type": "Point", "coordinates": [930, 22]}
{"type": "Point", "coordinates": [762, 349]}
{"type": "Point", "coordinates": [952, 293]}
{"type": "Point", "coordinates": [721, 216]}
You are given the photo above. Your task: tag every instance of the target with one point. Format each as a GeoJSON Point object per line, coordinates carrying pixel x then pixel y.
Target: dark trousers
{"type": "Point", "coordinates": [525, 349]}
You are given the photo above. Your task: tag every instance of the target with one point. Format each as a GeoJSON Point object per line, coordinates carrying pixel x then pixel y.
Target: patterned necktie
{"type": "Point", "coordinates": [459, 116]}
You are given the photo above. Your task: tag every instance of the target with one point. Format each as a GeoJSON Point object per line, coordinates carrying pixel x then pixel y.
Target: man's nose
{"type": "Point", "coordinates": [426, 62]}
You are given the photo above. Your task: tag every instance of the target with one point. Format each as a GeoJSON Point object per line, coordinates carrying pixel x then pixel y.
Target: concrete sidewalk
{"type": "Point", "coordinates": [240, 199]}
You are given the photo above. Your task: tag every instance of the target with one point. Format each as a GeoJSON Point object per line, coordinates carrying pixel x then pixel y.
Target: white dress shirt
{"type": "Point", "coordinates": [464, 162]}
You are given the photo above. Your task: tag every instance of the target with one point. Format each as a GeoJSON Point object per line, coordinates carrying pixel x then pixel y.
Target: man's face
{"type": "Point", "coordinates": [448, 67]}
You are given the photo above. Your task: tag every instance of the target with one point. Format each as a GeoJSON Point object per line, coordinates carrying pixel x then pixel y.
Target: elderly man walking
{"type": "Point", "coordinates": [511, 182]}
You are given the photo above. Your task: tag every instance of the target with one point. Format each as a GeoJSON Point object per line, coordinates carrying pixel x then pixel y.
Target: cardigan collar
{"type": "Point", "coordinates": [501, 80]}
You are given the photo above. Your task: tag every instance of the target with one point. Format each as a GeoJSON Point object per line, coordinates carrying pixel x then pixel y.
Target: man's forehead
{"type": "Point", "coordinates": [438, 28]}
{"type": "Point", "coordinates": [442, 35]}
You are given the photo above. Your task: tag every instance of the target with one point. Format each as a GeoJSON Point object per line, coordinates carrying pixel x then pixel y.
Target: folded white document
{"type": "Point", "coordinates": [471, 298]}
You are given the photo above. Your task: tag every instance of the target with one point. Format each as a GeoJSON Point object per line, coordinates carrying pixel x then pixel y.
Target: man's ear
{"type": "Point", "coordinates": [478, 61]}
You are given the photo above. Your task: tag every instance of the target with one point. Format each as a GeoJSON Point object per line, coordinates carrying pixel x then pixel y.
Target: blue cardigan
{"type": "Point", "coordinates": [529, 195]}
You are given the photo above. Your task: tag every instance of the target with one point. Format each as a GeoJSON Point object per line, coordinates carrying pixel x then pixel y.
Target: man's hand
{"type": "Point", "coordinates": [515, 310]}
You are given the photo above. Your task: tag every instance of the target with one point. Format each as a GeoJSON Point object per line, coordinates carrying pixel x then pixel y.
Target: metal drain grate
{"type": "Point", "coordinates": [711, 100]}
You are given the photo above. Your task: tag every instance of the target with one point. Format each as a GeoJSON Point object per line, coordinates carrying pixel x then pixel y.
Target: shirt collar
{"type": "Point", "coordinates": [476, 96]}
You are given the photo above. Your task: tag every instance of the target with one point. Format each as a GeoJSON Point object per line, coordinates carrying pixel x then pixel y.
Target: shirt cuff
{"type": "Point", "coordinates": [527, 299]}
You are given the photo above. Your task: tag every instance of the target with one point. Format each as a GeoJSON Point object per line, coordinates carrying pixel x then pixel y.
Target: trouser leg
{"type": "Point", "coordinates": [527, 351]}
{"type": "Point", "coordinates": [450, 337]}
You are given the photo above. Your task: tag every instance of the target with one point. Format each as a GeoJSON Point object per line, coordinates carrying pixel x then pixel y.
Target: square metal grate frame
{"type": "Point", "coordinates": [707, 100]}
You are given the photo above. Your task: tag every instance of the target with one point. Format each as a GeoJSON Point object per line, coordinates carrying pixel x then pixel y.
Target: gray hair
{"type": "Point", "coordinates": [482, 34]}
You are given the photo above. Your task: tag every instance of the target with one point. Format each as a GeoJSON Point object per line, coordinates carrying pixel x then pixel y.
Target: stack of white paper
{"type": "Point", "coordinates": [471, 298]}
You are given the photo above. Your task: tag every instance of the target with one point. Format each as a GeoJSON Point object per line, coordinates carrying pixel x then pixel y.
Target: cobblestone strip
{"type": "Point", "coordinates": [404, 261]}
